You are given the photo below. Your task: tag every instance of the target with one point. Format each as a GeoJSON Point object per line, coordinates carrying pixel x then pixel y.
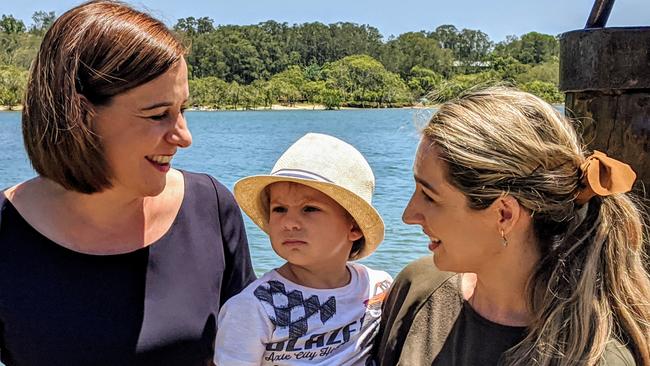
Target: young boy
{"type": "Point", "coordinates": [317, 308]}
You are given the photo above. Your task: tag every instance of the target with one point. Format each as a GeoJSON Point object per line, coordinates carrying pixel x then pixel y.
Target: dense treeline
{"type": "Point", "coordinates": [341, 64]}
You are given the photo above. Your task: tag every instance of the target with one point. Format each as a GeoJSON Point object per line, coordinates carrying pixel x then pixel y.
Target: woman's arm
{"type": "Point", "coordinates": [238, 271]}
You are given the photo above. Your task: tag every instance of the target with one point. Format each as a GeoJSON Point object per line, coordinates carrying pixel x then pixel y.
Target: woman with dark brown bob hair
{"type": "Point", "coordinates": [109, 256]}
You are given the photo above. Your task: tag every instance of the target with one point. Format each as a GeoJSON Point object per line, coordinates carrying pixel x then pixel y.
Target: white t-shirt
{"type": "Point", "coordinates": [276, 322]}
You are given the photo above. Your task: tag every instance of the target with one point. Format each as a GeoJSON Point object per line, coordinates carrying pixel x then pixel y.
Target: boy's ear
{"type": "Point", "coordinates": [355, 232]}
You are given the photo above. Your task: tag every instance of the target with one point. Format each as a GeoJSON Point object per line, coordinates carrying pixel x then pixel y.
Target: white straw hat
{"type": "Point", "coordinates": [328, 165]}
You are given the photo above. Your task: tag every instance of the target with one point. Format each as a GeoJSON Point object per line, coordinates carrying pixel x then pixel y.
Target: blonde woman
{"type": "Point", "coordinates": [537, 249]}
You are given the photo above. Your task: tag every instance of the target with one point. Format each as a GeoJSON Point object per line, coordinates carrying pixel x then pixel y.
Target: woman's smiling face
{"type": "Point", "coordinates": [462, 239]}
{"type": "Point", "coordinates": [142, 128]}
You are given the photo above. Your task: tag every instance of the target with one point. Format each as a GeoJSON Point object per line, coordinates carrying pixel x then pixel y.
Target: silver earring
{"type": "Point", "coordinates": [504, 241]}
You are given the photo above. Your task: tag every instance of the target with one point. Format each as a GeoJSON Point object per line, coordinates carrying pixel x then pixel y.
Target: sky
{"type": "Point", "coordinates": [497, 18]}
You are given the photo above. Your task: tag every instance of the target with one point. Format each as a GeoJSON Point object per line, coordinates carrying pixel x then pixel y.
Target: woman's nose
{"type": "Point", "coordinates": [410, 215]}
{"type": "Point", "coordinates": [180, 134]}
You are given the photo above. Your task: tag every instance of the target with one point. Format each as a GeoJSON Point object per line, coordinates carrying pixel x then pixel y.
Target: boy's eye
{"type": "Point", "coordinates": [311, 209]}
{"type": "Point", "coordinates": [278, 209]}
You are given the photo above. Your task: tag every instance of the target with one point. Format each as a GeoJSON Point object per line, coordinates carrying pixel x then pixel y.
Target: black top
{"type": "Point", "coordinates": [425, 321]}
{"type": "Point", "coordinates": [475, 340]}
{"type": "Point", "coordinates": [154, 306]}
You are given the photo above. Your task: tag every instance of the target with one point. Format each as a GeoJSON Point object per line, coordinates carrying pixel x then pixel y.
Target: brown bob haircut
{"type": "Point", "coordinates": [91, 53]}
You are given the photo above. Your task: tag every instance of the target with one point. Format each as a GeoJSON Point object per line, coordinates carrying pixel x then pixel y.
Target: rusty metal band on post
{"type": "Point", "coordinates": [605, 59]}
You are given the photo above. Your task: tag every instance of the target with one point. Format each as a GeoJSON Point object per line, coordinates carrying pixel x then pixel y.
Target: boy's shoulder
{"type": "Point", "coordinates": [270, 284]}
{"type": "Point", "coordinates": [373, 275]}
{"type": "Point", "coordinates": [377, 283]}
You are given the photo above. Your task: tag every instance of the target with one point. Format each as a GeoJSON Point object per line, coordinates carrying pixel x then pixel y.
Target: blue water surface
{"type": "Point", "coordinates": [233, 144]}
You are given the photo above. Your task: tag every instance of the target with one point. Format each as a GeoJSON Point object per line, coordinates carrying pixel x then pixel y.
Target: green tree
{"type": "Point", "coordinates": [531, 48]}
{"type": "Point", "coordinates": [186, 26]}
{"type": "Point", "coordinates": [18, 49]}
{"type": "Point", "coordinates": [447, 36]}
{"type": "Point", "coordinates": [363, 81]}
{"type": "Point", "coordinates": [357, 76]}
{"type": "Point", "coordinates": [313, 72]}
{"type": "Point", "coordinates": [459, 84]}
{"type": "Point", "coordinates": [227, 54]}
{"type": "Point", "coordinates": [472, 45]}
{"type": "Point", "coordinates": [313, 90]}
{"type": "Point", "coordinates": [393, 92]}
{"type": "Point", "coordinates": [415, 49]}
{"type": "Point", "coordinates": [545, 90]}
{"type": "Point", "coordinates": [242, 58]}
{"type": "Point", "coordinates": [233, 95]}
{"type": "Point", "coordinates": [208, 92]}
{"type": "Point", "coordinates": [251, 96]}
{"type": "Point", "coordinates": [206, 57]}
{"type": "Point", "coordinates": [422, 81]}
{"type": "Point", "coordinates": [42, 21]}
{"type": "Point", "coordinates": [353, 39]}
{"type": "Point", "coordinates": [331, 96]}
{"type": "Point", "coordinates": [548, 71]}
{"type": "Point", "coordinates": [204, 25]}
{"type": "Point", "coordinates": [13, 82]}
{"type": "Point", "coordinates": [313, 41]}
{"type": "Point", "coordinates": [286, 86]}
{"type": "Point", "coordinates": [11, 25]}
{"type": "Point", "coordinates": [537, 48]}
{"type": "Point", "coordinates": [507, 67]}
{"type": "Point", "coordinates": [269, 39]}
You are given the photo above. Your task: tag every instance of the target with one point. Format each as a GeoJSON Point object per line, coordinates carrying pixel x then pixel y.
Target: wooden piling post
{"type": "Point", "coordinates": [605, 73]}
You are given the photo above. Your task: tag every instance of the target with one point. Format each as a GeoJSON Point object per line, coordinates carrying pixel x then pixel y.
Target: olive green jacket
{"type": "Point", "coordinates": [412, 329]}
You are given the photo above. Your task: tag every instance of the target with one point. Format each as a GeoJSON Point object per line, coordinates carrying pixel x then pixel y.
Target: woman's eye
{"type": "Point", "coordinates": [427, 197]}
{"type": "Point", "coordinates": [158, 117]}
{"type": "Point", "coordinates": [311, 209]}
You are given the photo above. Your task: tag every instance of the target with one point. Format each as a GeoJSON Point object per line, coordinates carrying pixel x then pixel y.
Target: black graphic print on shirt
{"type": "Point", "coordinates": [291, 310]}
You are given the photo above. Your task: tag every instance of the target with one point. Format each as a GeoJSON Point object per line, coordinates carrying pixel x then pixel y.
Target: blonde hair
{"type": "Point", "coordinates": [590, 285]}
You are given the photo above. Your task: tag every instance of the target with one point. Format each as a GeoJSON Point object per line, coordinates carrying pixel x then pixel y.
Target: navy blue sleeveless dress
{"type": "Point", "coordinates": [155, 306]}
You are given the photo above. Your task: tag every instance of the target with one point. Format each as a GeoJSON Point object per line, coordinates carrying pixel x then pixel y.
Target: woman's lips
{"type": "Point", "coordinates": [434, 244]}
{"type": "Point", "coordinates": [164, 168]}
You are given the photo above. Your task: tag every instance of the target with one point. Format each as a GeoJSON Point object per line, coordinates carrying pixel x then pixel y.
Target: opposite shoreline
{"type": "Point", "coordinates": [274, 107]}
{"type": "Point", "coordinates": [277, 107]}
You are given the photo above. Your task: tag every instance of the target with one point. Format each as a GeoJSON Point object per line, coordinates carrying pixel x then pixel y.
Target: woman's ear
{"type": "Point", "coordinates": [508, 213]}
{"type": "Point", "coordinates": [88, 111]}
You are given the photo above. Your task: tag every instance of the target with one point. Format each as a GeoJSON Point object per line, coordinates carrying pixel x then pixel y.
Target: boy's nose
{"type": "Point", "coordinates": [290, 222]}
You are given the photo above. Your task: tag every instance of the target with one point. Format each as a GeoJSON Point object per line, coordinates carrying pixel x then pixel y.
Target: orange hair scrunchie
{"type": "Point", "coordinates": [603, 176]}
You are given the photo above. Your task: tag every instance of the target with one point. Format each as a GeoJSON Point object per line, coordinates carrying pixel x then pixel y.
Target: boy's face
{"type": "Point", "coordinates": [308, 228]}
